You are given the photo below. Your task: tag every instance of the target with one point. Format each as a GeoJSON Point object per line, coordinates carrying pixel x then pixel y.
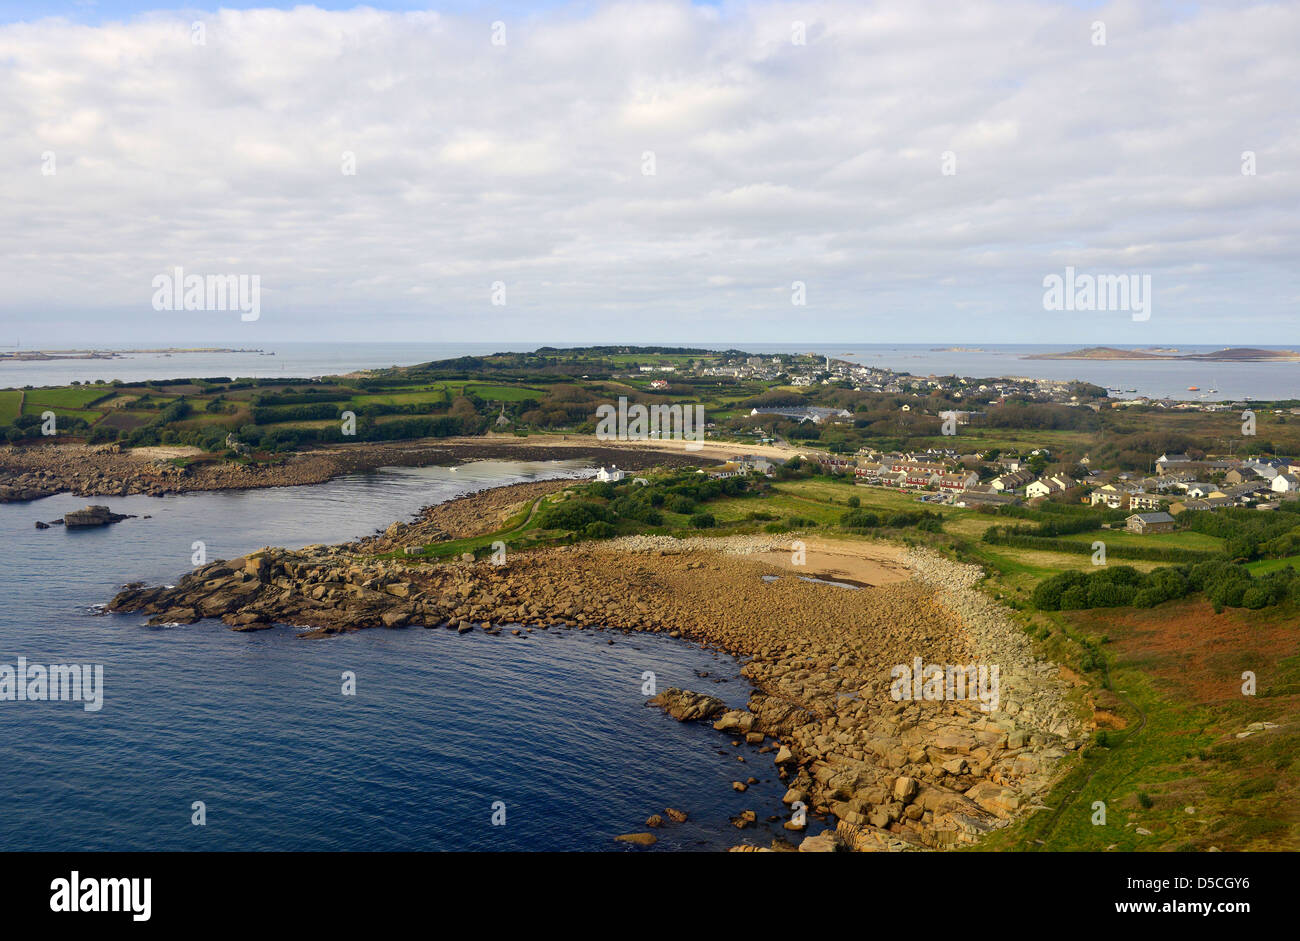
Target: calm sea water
{"type": "Point", "coordinates": [255, 726]}
{"type": "Point", "coordinates": [1266, 381]}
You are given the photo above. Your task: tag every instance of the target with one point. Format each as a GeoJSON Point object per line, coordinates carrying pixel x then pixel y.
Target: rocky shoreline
{"type": "Point", "coordinates": [33, 472]}
{"type": "Point", "coordinates": [894, 775]}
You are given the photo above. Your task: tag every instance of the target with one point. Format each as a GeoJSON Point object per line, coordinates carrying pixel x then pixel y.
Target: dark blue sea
{"type": "Point", "coordinates": [254, 725]}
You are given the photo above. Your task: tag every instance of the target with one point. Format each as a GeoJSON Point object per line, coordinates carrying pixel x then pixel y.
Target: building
{"type": "Point", "coordinates": [1285, 483]}
{"type": "Point", "coordinates": [814, 413]}
{"type": "Point", "coordinates": [726, 470]}
{"type": "Point", "coordinates": [750, 462]}
{"type": "Point", "coordinates": [958, 482]}
{"type": "Point", "coordinates": [1150, 523]}
{"type": "Point", "coordinates": [611, 476]}
{"type": "Point", "coordinates": [1045, 486]}
{"type": "Point", "coordinates": [1116, 496]}
{"type": "Point", "coordinates": [1145, 501]}
{"type": "Point", "coordinates": [1008, 483]}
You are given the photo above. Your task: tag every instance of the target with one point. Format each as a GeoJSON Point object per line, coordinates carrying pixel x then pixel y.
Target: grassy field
{"type": "Point", "coordinates": [68, 397]}
{"type": "Point", "coordinates": [10, 405]}
{"type": "Point", "coordinates": [37, 409]}
{"type": "Point", "coordinates": [427, 397]}
{"type": "Point", "coordinates": [496, 393]}
{"type": "Point", "coordinates": [1180, 539]}
{"type": "Point", "coordinates": [1271, 565]}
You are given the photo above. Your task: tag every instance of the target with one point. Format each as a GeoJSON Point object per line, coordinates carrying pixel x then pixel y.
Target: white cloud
{"type": "Point", "coordinates": [774, 162]}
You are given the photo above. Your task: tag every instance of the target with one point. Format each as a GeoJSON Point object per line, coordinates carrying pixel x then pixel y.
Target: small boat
{"type": "Point", "coordinates": [1193, 388]}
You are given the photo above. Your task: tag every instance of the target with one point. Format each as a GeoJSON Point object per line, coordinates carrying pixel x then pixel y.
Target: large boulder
{"type": "Point", "coordinates": [92, 516]}
{"type": "Point", "coordinates": [687, 706]}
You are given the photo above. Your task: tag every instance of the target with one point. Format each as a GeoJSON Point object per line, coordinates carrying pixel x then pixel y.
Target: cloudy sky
{"type": "Point", "coordinates": [658, 172]}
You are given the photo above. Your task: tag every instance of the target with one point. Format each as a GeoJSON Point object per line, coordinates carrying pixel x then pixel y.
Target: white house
{"type": "Point", "coordinates": [1039, 488]}
{"type": "Point", "coordinates": [1114, 495]}
{"type": "Point", "coordinates": [1285, 483]}
{"type": "Point", "coordinates": [1047, 485]}
{"type": "Point", "coordinates": [612, 476]}
{"type": "Point", "coordinates": [1144, 501]}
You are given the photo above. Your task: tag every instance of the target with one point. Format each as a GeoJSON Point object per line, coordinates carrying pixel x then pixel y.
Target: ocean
{"type": "Point", "coordinates": [1233, 381]}
{"type": "Point", "coordinates": [253, 725]}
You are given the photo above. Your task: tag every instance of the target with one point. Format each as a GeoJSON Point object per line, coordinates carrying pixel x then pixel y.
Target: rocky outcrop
{"type": "Point", "coordinates": [891, 774]}
{"type": "Point", "coordinates": [686, 706]}
{"type": "Point", "coordinates": [637, 839]}
{"type": "Point", "coordinates": [92, 516]}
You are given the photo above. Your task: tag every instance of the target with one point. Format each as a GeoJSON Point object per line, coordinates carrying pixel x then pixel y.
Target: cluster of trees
{"type": "Point", "coordinates": [566, 406]}
{"type": "Point", "coordinates": [1138, 450]}
{"type": "Point", "coordinates": [1047, 527]}
{"type": "Point", "coordinates": [1225, 584]}
{"type": "Point", "coordinates": [604, 509]}
{"type": "Point", "coordinates": [924, 520]}
{"type": "Point", "coordinates": [1250, 534]}
{"type": "Point", "coordinates": [1000, 536]}
{"type": "Point", "coordinates": [1042, 417]}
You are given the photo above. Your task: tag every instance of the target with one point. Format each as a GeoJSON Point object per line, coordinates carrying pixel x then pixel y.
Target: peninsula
{"type": "Point", "coordinates": [1226, 355]}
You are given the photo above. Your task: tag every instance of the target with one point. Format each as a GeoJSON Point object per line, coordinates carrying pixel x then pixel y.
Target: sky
{"type": "Point", "coordinates": [656, 172]}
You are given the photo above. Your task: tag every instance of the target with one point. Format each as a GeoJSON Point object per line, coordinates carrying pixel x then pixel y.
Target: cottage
{"type": "Point", "coordinates": [1285, 483]}
{"type": "Point", "coordinates": [1167, 461]}
{"type": "Point", "coordinates": [1150, 523]}
{"type": "Point", "coordinates": [1045, 486]}
{"type": "Point", "coordinates": [611, 476]}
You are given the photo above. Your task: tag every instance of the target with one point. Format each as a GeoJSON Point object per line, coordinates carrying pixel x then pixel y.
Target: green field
{"type": "Point", "coordinates": [10, 405]}
{"type": "Point", "coordinates": [504, 393]}
{"type": "Point", "coordinates": [1179, 539]}
{"type": "Point", "coordinates": [32, 408]}
{"type": "Point", "coordinates": [1272, 565]}
{"type": "Point", "coordinates": [429, 397]}
{"type": "Point", "coordinates": [72, 397]}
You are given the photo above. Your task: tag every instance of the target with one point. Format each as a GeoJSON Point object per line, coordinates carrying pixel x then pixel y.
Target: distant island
{"type": "Point", "coordinates": [1243, 354]}
{"type": "Point", "coordinates": [39, 355]}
